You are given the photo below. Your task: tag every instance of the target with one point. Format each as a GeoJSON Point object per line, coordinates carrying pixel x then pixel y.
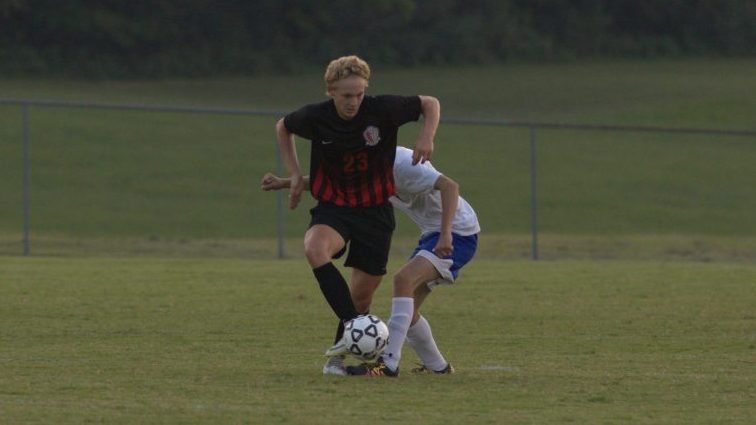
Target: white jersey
{"type": "Point", "coordinates": [416, 196]}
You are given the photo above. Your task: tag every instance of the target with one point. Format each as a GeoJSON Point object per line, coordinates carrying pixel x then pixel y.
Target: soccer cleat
{"type": "Point", "coordinates": [334, 366]}
{"type": "Point", "coordinates": [448, 370]}
{"type": "Point", "coordinates": [338, 349]}
{"type": "Point", "coordinates": [378, 368]}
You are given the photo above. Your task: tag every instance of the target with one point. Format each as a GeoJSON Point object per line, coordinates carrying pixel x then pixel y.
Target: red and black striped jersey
{"type": "Point", "coordinates": [351, 162]}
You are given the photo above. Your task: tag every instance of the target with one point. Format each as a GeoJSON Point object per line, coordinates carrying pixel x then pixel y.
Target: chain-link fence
{"type": "Point", "coordinates": [93, 179]}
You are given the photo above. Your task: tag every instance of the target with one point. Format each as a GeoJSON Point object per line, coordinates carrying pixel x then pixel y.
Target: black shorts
{"type": "Point", "coordinates": [367, 232]}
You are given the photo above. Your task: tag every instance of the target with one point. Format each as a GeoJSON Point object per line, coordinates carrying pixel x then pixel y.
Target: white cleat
{"type": "Point", "coordinates": [338, 349]}
{"type": "Point", "coordinates": [335, 366]}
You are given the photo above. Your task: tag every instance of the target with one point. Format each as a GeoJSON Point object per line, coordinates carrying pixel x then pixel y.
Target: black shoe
{"type": "Point", "coordinates": [448, 370]}
{"type": "Point", "coordinates": [378, 368]}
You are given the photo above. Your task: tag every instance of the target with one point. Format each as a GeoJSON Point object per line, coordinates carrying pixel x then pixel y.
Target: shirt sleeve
{"type": "Point", "coordinates": [300, 122]}
{"type": "Point", "coordinates": [401, 109]}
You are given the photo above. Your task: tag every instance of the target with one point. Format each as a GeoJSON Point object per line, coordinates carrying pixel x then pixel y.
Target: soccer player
{"type": "Point", "coordinates": [353, 144]}
{"type": "Point", "coordinates": [449, 229]}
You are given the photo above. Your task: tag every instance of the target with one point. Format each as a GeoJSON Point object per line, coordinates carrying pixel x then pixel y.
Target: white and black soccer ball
{"type": "Point", "coordinates": [366, 336]}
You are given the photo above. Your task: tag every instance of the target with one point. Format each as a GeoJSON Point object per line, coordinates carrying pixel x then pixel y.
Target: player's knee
{"type": "Point", "coordinates": [403, 283]}
{"type": "Point", "coordinates": [316, 254]}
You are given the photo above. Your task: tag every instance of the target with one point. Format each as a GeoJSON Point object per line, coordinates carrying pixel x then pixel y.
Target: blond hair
{"type": "Point", "coordinates": [344, 67]}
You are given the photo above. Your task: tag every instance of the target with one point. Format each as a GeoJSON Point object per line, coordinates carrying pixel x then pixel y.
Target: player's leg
{"type": "Point", "coordinates": [368, 252]}
{"type": "Point", "coordinates": [370, 240]}
{"type": "Point", "coordinates": [321, 243]}
{"type": "Point", "coordinates": [370, 233]}
{"type": "Point", "coordinates": [419, 335]}
{"type": "Point", "coordinates": [363, 287]}
{"type": "Point", "coordinates": [420, 338]}
{"type": "Point", "coordinates": [419, 295]}
{"type": "Point", "coordinates": [413, 274]}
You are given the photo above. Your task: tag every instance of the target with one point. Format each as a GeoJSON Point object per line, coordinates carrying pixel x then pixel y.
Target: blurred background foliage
{"type": "Point", "coordinates": [200, 38]}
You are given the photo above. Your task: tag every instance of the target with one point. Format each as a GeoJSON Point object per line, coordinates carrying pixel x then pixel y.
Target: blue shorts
{"type": "Point", "coordinates": [448, 268]}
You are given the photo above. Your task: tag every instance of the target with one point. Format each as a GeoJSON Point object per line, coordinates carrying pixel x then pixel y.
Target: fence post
{"type": "Point", "coordinates": [26, 179]}
{"type": "Point", "coordinates": [279, 206]}
{"type": "Point", "coordinates": [533, 195]}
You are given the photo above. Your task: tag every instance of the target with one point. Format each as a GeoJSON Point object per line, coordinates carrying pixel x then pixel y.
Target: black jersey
{"type": "Point", "coordinates": [352, 162]}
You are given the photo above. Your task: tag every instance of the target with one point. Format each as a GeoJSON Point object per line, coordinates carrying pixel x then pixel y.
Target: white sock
{"type": "Point", "coordinates": [420, 337]}
{"type": "Point", "coordinates": [402, 309]}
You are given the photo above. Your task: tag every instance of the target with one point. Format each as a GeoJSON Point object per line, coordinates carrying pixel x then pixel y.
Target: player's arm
{"type": "Point", "coordinates": [449, 200]}
{"type": "Point", "coordinates": [431, 110]}
{"type": "Point", "coordinates": [285, 141]}
{"type": "Point", "coordinates": [271, 181]}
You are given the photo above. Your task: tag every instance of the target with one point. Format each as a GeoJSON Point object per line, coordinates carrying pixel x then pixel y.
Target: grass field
{"type": "Point", "coordinates": [235, 341]}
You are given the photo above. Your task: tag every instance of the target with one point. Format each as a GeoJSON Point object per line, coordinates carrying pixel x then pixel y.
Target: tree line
{"type": "Point", "coordinates": [163, 38]}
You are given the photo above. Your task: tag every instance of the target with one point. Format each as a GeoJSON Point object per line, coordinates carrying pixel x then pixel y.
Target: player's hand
{"type": "Point", "coordinates": [423, 151]}
{"type": "Point", "coordinates": [444, 248]}
{"type": "Point", "coordinates": [271, 181]}
{"type": "Point", "coordinates": [295, 191]}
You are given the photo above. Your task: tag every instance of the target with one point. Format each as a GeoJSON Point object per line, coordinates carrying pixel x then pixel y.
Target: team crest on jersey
{"type": "Point", "coordinates": [371, 135]}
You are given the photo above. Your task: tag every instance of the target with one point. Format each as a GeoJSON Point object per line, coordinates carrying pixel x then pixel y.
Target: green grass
{"type": "Point", "coordinates": [236, 341]}
{"type": "Point", "coordinates": [192, 178]}
{"type": "Point", "coordinates": [696, 92]}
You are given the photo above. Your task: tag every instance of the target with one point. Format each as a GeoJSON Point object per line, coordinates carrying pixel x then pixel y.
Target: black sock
{"type": "Point", "coordinates": [336, 291]}
{"type": "Point", "coordinates": [339, 332]}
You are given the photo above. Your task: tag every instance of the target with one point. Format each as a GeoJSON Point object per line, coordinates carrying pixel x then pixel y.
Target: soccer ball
{"type": "Point", "coordinates": [366, 336]}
